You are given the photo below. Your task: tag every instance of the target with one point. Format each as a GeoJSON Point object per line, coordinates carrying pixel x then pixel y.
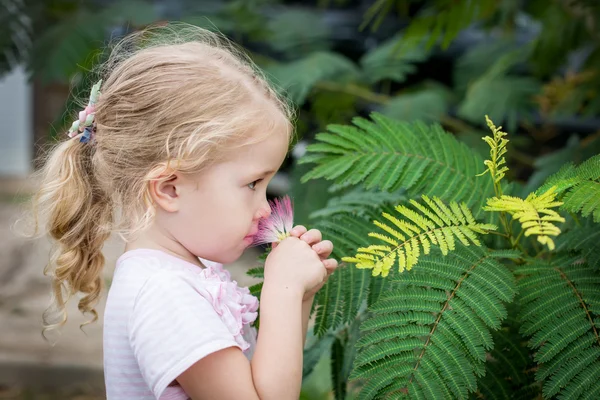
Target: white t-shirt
{"type": "Point", "coordinates": [162, 315]}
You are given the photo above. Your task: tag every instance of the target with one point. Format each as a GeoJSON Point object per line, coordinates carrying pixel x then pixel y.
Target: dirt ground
{"type": "Point", "coordinates": [31, 367]}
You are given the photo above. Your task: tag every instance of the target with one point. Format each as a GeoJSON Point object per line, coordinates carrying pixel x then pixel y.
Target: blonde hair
{"type": "Point", "coordinates": [174, 97]}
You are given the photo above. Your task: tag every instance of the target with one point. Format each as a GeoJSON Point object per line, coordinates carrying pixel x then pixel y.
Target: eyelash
{"type": "Point", "coordinates": [254, 183]}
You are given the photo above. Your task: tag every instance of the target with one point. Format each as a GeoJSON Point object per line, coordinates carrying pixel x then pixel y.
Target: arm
{"type": "Point", "coordinates": [276, 368]}
{"type": "Point", "coordinates": [277, 360]}
{"type": "Point", "coordinates": [306, 307]}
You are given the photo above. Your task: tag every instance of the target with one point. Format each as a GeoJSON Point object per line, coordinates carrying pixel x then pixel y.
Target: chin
{"type": "Point", "coordinates": [228, 258]}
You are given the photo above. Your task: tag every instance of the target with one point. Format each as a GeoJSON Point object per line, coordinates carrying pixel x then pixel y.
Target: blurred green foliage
{"type": "Point", "coordinates": [530, 65]}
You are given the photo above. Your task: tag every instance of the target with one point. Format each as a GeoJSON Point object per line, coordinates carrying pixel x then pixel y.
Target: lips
{"type": "Point", "coordinates": [252, 233]}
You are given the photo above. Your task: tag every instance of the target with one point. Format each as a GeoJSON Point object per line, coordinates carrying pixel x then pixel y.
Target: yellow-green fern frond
{"type": "Point", "coordinates": [423, 225]}
{"type": "Point", "coordinates": [534, 213]}
{"type": "Point", "coordinates": [497, 163]}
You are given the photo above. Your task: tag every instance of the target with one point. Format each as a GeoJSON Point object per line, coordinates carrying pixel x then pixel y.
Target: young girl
{"type": "Point", "coordinates": [174, 152]}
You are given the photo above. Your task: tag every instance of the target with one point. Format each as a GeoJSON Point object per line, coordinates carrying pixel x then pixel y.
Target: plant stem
{"type": "Point", "coordinates": [504, 235]}
{"type": "Point", "coordinates": [516, 242]}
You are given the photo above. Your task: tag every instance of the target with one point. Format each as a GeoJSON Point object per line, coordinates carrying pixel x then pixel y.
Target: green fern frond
{"type": "Point", "coordinates": [429, 104]}
{"type": "Point", "coordinates": [347, 288]}
{"type": "Point", "coordinates": [513, 97]}
{"type": "Point", "coordinates": [289, 35]}
{"type": "Point", "coordinates": [386, 62]}
{"type": "Point", "coordinates": [560, 309]}
{"type": "Point", "coordinates": [442, 20]}
{"type": "Point", "coordinates": [578, 187]}
{"type": "Point", "coordinates": [497, 163]}
{"type": "Point", "coordinates": [508, 368]}
{"type": "Point", "coordinates": [586, 241]}
{"type": "Point", "coordinates": [429, 337]}
{"type": "Point", "coordinates": [431, 224]}
{"type": "Point", "coordinates": [387, 154]}
{"type": "Point", "coordinates": [534, 213]}
{"type": "Point", "coordinates": [314, 351]}
{"type": "Point", "coordinates": [358, 202]}
{"type": "Point", "coordinates": [299, 77]}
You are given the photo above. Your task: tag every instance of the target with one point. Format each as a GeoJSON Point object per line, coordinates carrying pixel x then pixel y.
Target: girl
{"type": "Point", "coordinates": [174, 152]}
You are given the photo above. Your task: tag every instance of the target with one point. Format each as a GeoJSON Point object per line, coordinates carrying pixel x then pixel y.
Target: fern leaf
{"type": "Point", "coordinates": [387, 62]}
{"type": "Point", "coordinates": [497, 163]}
{"type": "Point", "coordinates": [421, 159]}
{"type": "Point", "coordinates": [433, 223]}
{"type": "Point", "coordinates": [559, 312]}
{"type": "Point", "coordinates": [578, 187]}
{"type": "Point", "coordinates": [357, 202]}
{"type": "Point", "coordinates": [347, 288]}
{"type": "Point", "coordinates": [513, 97]}
{"type": "Point", "coordinates": [314, 352]}
{"type": "Point", "coordinates": [585, 241]}
{"type": "Point", "coordinates": [534, 213]}
{"type": "Point", "coordinates": [430, 335]}
{"type": "Point", "coordinates": [291, 36]}
{"type": "Point", "coordinates": [509, 368]}
{"type": "Point", "coordinates": [299, 77]}
{"type": "Point", "coordinates": [427, 104]}
{"type": "Point", "coordinates": [440, 21]}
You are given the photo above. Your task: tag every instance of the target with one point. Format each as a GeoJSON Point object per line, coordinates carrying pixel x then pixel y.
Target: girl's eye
{"type": "Point", "coordinates": [253, 184]}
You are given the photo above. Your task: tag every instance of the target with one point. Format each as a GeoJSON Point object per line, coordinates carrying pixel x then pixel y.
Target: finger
{"type": "Point", "coordinates": [311, 237]}
{"type": "Point", "coordinates": [273, 245]}
{"type": "Point", "coordinates": [298, 231]}
{"type": "Point", "coordinates": [323, 248]}
{"type": "Point", "coordinates": [330, 264]}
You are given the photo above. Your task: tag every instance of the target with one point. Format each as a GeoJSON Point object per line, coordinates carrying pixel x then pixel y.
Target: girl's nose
{"type": "Point", "coordinates": [265, 210]}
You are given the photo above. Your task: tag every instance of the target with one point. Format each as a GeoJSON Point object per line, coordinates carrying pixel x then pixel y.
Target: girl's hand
{"type": "Point", "coordinates": [322, 247]}
{"type": "Point", "coordinates": [293, 264]}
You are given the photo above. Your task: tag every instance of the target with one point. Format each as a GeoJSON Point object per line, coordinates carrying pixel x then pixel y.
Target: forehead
{"type": "Point", "coordinates": [262, 155]}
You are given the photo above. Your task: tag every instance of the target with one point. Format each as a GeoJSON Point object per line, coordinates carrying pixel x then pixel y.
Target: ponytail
{"type": "Point", "coordinates": [77, 214]}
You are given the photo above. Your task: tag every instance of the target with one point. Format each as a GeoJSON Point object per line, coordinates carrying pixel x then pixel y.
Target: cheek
{"type": "Point", "coordinates": [214, 226]}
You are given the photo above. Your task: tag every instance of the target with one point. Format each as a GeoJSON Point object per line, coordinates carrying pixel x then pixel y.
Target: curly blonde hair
{"type": "Point", "coordinates": [174, 97]}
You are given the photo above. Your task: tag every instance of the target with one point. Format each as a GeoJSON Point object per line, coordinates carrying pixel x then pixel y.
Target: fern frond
{"type": "Point", "coordinates": [347, 288]}
{"type": "Point", "coordinates": [534, 213]}
{"type": "Point", "coordinates": [513, 97]}
{"type": "Point", "coordinates": [386, 62]}
{"type": "Point", "coordinates": [431, 334]}
{"type": "Point", "coordinates": [497, 163]}
{"type": "Point", "coordinates": [578, 187]}
{"type": "Point", "coordinates": [432, 223]}
{"type": "Point", "coordinates": [560, 313]}
{"type": "Point", "coordinates": [358, 202]}
{"type": "Point", "coordinates": [428, 104]}
{"type": "Point", "coordinates": [387, 154]}
{"type": "Point", "coordinates": [291, 36]}
{"type": "Point", "coordinates": [299, 77]}
{"type": "Point", "coordinates": [314, 351]}
{"type": "Point", "coordinates": [508, 368]}
{"type": "Point", "coordinates": [442, 20]}
{"type": "Point", "coordinates": [586, 241]}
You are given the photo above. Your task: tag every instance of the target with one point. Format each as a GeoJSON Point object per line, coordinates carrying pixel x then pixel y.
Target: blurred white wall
{"type": "Point", "coordinates": [16, 120]}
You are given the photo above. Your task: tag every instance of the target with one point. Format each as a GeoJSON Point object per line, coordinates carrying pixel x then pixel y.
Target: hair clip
{"type": "Point", "coordinates": [85, 124]}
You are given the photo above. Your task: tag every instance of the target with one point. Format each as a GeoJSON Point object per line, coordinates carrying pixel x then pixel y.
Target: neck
{"type": "Point", "coordinates": [156, 239]}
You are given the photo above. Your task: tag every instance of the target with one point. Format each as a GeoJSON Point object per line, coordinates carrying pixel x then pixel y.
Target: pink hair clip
{"type": "Point", "coordinates": [278, 225]}
{"type": "Point", "coordinates": [85, 123]}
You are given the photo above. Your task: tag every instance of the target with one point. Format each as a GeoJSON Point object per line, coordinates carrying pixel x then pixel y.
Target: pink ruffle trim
{"type": "Point", "coordinates": [235, 305]}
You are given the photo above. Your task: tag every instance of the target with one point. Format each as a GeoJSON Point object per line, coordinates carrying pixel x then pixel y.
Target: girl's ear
{"type": "Point", "coordinates": [165, 191]}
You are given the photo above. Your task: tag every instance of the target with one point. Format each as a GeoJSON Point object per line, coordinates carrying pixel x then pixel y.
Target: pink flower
{"type": "Point", "coordinates": [278, 225]}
